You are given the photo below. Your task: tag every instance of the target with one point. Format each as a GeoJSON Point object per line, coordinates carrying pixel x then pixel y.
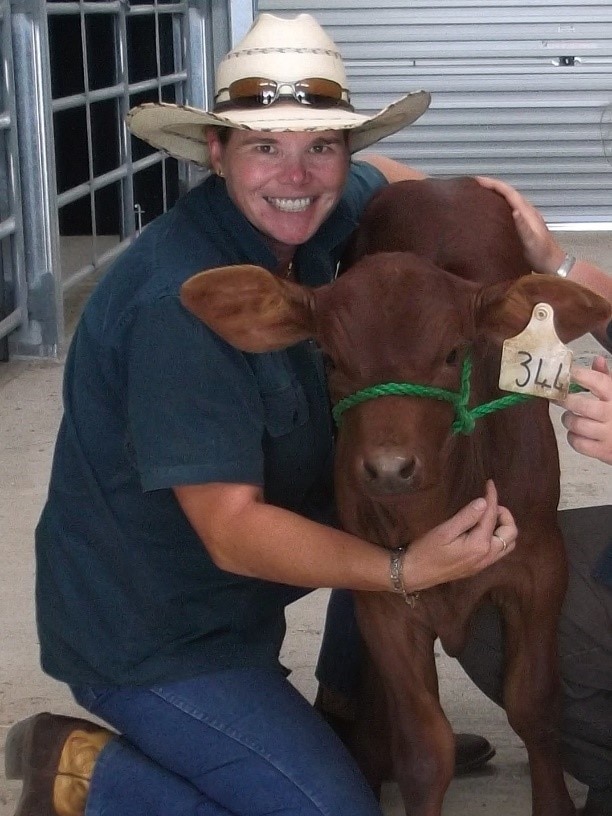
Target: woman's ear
{"type": "Point", "coordinates": [215, 148]}
{"type": "Point", "coordinates": [250, 307]}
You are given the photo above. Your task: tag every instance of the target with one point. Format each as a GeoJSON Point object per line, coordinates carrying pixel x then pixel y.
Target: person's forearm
{"type": "Point", "coordinates": [595, 279]}
{"type": "Point", "coordinates": [591, 276]}
{"type": "Point", "coordinates": [245, 535]}
{"type": "Point", "coordinates": [280, 546]}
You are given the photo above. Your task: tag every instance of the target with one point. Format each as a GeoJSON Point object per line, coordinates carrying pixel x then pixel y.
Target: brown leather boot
{"type": "Point", "coordinates": [55, 757]}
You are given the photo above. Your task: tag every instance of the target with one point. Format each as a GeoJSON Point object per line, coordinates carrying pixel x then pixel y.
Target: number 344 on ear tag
{"type": "Point", "coordinates": [535, 361]}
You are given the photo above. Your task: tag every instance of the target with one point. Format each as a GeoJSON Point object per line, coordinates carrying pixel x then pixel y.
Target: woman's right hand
{"type": "Point", "coordinates": [477, 536]}
{"type": "Point", "coordinates": [541, 249]}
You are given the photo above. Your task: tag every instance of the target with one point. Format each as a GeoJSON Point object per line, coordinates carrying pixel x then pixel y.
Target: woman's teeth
{"type": "Point", "coordinates": [290, 204]}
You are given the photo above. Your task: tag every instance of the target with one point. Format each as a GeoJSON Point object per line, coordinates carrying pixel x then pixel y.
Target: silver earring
{"type": "Point", "coordinates": [219, 172]}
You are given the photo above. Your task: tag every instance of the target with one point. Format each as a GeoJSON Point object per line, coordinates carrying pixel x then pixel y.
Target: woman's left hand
{"type": "Point", "coordinates": [588, 420]}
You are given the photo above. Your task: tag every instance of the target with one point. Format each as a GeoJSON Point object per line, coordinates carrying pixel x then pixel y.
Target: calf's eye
{"type": "Point", "coordinates": [451, 358]}
{"type": "Point", "coordinates": [328, 363]}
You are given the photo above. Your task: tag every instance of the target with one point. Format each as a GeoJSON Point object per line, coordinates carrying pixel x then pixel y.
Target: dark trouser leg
{"type": "Point", "coordinates": [585, 646]}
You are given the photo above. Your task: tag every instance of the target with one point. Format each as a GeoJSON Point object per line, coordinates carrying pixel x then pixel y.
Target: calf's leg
{"type": "Point", "coordinates": [532, 690]}
{"type": "Point", "coordinates": [422, 742]}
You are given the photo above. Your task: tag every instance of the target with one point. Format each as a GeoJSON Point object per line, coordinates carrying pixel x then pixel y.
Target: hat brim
{"type": "Point", "coordinates": [178, 129]}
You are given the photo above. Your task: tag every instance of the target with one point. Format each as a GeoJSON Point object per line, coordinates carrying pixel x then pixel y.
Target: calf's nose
{"type": "Point", "coordinates": [387, 472]}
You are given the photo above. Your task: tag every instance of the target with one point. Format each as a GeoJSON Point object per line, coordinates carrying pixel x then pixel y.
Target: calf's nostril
{"type": "Point", "coordinates": [407, 470]}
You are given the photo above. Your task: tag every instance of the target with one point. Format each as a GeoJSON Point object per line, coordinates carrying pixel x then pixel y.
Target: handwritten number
{"type": "Point", "coordinates": [541, 382]}
{"type": "Point", "coordinates": [525, 365]}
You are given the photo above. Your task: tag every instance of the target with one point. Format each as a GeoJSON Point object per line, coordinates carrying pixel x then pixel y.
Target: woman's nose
{"type": "Point", "coordinates": [295, 169]}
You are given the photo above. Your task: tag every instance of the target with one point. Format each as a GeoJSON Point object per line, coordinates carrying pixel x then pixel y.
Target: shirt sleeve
{"type": "Point", "coordinates": [194, 409]}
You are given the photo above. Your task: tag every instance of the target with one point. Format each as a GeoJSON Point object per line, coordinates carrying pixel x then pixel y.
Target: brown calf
{"type": "Point", "coordinates": [400, 470]}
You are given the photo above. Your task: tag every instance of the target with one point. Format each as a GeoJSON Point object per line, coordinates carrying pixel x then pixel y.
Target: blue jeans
{"type": "Point", "coordinates": [222, 744]}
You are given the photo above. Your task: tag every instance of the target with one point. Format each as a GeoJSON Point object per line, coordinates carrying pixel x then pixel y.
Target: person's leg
{"type": "Point", "coordinates": [585, 647]}
{"type": "Point", "coordinates": [238, 742]}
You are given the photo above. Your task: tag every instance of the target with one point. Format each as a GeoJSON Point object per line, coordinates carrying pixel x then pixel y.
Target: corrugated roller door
{"type": "Point", "coordinates": [520, 91]}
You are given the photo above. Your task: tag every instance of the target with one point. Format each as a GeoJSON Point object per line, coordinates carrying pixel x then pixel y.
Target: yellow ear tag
{"type": "Point", "coordinates": [536, 361]}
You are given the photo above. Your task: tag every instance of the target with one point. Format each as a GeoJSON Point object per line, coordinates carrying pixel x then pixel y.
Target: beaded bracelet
{"type": "Point", "coordinates": [395, 573]}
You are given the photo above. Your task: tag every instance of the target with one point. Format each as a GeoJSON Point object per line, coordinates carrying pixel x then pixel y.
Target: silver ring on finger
{"type": "Point", "coordinates": [504, 543]}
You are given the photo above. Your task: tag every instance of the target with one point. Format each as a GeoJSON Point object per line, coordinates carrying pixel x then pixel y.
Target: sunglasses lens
{"type": "Point", "coordinates": [253, 91]}
{"type": "Point", "coordinates": [318, 92]}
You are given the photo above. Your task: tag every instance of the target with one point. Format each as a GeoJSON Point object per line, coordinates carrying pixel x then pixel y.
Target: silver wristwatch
{"type": "Point", "coordinates": [564, 270]}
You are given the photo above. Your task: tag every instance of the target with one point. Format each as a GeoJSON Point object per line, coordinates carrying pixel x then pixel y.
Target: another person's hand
{"type": "Point", "coordinates": [542, 251]}
{"type": "Point", "coordinates": [461, 547]}
{"type": "Point", "coordinates": [588, 417]}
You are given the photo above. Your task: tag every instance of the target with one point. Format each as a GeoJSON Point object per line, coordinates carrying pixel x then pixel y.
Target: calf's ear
{"type": "Point", "coordinates": [250, 307]}
{"type": "Point", "coordinates": [504, 310]}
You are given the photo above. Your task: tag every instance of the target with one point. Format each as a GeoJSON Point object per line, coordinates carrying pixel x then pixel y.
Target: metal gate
{"type": "Point", "coordinates": [75, 186]}
{"type": "Point", "coordinates": [522, 89]}
{"type": "Point", "coordinates": [12, 276]}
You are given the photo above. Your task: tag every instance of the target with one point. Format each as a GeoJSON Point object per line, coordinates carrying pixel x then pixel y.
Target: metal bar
{"type": "Point", "coordinates": [98, 182]}
{"type": "Point", "coordinates": [107, 7]}
{"type": "Point", "coordinates": [128, 218]}
{"type": "Point", "coordinates": [13, 223]}
{"type": "Point", "coordinates": [90, 167]}
{"type": "Point", "coordinates": [99, 263]}
{"type": "Point", "coordinates": [11, 322]}
{"type": "Point", "coordinates": [7, 227]}
{"type": "Point", "coordinates": [115, 91]}
{"type": "Point", "coordinates": [201, 59]}
{"type": "Point", "coordinates": [43, 333]}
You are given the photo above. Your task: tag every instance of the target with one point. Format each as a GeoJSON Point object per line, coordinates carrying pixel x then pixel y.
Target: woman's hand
{"type": "Point", "coordinates": [461, 546]}
{"type": "Point", "coordinates": [541, 250]}
{"type": "Point", "coordinates": [588, 420]}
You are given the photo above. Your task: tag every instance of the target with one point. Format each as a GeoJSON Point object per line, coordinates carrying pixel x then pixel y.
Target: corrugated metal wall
{"type": "Point", "coordinates": [521, 90]}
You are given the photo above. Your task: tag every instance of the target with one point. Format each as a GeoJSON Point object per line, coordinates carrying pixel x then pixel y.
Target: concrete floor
{"type": "Point", "coordinates": [30, 412]}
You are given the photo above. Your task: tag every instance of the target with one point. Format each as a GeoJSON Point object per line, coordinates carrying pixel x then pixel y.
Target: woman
{"type": "Point", "coordinates": [189, 482]}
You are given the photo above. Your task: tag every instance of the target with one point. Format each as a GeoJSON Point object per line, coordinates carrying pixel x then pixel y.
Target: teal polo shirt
{"type": "Point", "coordinates": [126, 592]}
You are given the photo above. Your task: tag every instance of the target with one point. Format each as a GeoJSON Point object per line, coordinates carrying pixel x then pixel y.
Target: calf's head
{"type": "Point", "coordinates": [393, 317]}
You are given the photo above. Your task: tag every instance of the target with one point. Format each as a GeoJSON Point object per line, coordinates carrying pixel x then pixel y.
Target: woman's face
{"type": "Point", "coordinates": [286, 184]}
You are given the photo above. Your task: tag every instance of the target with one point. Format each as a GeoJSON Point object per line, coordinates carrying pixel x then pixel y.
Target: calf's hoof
{"type": "Point", "coordinates": [55, 757]}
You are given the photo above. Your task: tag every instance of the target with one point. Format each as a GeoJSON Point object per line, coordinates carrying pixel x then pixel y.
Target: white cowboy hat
{"type": "Point", "coordinates": [255, 80]}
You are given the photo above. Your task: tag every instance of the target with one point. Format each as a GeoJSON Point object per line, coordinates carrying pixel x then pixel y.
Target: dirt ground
{"type": "Point", "coordinates": [30, 394]}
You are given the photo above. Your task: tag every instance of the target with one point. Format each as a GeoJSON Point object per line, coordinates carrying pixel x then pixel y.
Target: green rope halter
{"type": "Point", "coordinates": [465, 418]}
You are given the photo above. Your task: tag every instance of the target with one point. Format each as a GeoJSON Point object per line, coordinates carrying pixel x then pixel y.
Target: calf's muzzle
{"type": "Point", "coordinates": [387, 472]}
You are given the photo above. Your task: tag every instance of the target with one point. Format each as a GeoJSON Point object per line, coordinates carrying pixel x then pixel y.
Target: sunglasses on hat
{"type": "Point", "coordinates": [253, 92]}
